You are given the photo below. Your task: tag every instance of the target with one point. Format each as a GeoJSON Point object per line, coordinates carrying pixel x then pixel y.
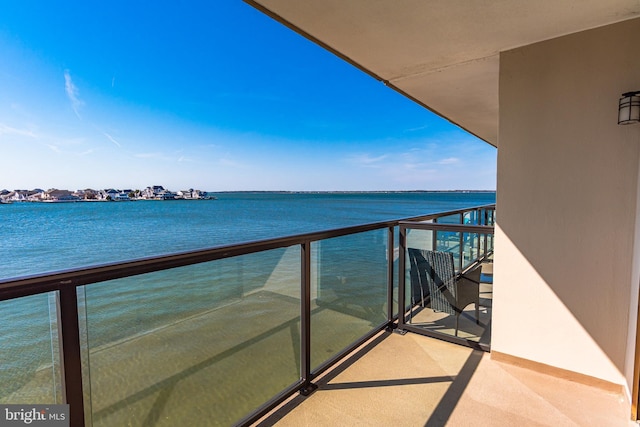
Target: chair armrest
{"type": "Point", "coordinates": [472, 275]}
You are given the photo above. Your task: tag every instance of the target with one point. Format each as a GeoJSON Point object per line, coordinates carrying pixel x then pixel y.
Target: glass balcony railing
{"type": "Point", "coordinates": [349, 292]}
{"type": "Point", "coordinates": [218, 336]}
{"type": "Point", "coordinates": [30, 368]}
{"type": "Point", "coordinates": [210, 341]}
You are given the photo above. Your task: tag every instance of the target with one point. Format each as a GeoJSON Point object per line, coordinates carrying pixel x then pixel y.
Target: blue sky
{"type": "Point", "coordinates": [209, 95]}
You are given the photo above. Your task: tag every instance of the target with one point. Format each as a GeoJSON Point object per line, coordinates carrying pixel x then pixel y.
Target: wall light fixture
{"type": "Point", "coordinates": [629, 108]}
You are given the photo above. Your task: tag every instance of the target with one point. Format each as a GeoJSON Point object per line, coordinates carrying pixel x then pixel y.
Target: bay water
{"type": "Point", "coordinates": [39, 237]}
{"type": "Point", "coordinates": [43, 237]}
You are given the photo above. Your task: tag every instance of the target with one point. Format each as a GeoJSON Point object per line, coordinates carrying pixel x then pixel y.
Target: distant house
{"type": "Point", "coordinates": [165, 195]}
{"type": "Point", "coordinates": [89, 194]}
{"type": "Point", "coordinates": [122, 197]}
{"type": "Point", "coordinates": [191, 194]}
{"type": "Point", "coordinates": [17, 196]}
{"type": "Point", "coordinates": [55, 195]}
{"type": "Point", "coordinates": [157, 192]}
{"type": "Point", "coordinates": [183, 194]}
{"type": "Point", "coordinates": [109, 194]}
{"type": "Point", "coordinates": [35, 195]}
{"type": "Point", "coordinates": [152, 192]}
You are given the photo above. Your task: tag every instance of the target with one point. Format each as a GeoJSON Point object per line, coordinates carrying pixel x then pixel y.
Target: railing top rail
{"type": "Point", "coordinates": [462, 228]}
{"type": "Point", "coordinates": [446, 213]}
{"type": "Point", "coordinates": [51, 281]}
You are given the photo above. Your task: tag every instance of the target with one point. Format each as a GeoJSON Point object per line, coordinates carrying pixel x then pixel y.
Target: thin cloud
{"type": "Point", "coordinates": [53, 148]}
{"type": "Point", "coordinates": [112, 139]}
{"type": "Point", "coordinates": [148, 155]}
{"type": "Point", "coordinates": [417, 128]}
{"type": "Point", "coordinates": [72, 93]}
{"type": "Point", "coordinates": [367, 160]}
{"type": "Point", "coordinates": [449, 161]}
{"type": "Point", "coordinates": [415, 166]}
{"type": "Point", "coordinates": [8, 130]}
{"type": "Point", "coordinates": [229, 163]}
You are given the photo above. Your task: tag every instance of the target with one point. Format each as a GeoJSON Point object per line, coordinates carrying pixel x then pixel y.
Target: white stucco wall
{"type": "Point", "coordinates": [565, 284]}
{"type": "Point", "coordinates": [633, 302]}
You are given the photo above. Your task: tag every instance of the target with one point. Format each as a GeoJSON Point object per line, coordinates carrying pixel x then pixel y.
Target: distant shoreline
{"type": "Point", "coordinates": [159, 193]}
{"type": "Point", "coordinates": [350, 191]}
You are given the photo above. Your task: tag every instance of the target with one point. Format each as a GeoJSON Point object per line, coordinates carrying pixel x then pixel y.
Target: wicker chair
{"type": "Point", "coordinates": [433, 279]}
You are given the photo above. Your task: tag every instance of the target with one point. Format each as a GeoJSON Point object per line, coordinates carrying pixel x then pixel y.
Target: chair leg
{"type": "Point", "coordinates": [457, 318]}
{"type": "Point", "coordinates": [477, 314]}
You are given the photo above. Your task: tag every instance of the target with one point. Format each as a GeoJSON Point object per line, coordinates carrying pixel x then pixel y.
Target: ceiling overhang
{"type": "Point", "coordinates": [442, 54]}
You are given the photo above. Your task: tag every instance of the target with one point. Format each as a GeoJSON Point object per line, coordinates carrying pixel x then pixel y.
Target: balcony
{"type": "Point", "coordinates": [413, 380]}
{"type": "Point", "coordinates": [224, 336]}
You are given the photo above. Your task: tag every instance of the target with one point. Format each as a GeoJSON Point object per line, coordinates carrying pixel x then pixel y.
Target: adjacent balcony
{"type": "Point", "coordinates": [226, 335]}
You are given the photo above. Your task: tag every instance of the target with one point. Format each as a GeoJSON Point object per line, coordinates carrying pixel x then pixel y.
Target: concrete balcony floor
{"type": "Point", "coordinates": [413, 380]}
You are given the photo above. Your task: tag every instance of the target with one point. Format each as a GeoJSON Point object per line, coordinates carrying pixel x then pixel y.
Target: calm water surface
{"type": "Point", "coordinates": [43, 237]}
{"type": "Point", "coordinates": [40, 237]}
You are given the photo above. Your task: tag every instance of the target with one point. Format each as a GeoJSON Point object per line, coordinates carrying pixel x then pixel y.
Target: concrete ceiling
{"type": "Point", "coordinates": [443, 54]}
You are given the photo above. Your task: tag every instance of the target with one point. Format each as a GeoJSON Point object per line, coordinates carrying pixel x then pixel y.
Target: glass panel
{"type": "Point", "coordinates": [449, 241]}
{"type": "Point", "coordinates": [486, 217]}
{"type": "Point", "coordinates": [349, 291]}
{"type": "Point", "coordinates": [471, 218]}
{"type": "Point", "coordinates": [419, 239]}
{"type": "Point", "coordinates": [84, 353]}
{"type": "Point", "coordinates": [450, 219]}
{"type": "Point", "coordinates": [29, 350]}
{"type": "Point", "coordinates": [490, 243]}
{"type": "Point", "coordinates": [204, 344]}
{"type": "Point", "coordinates": [470, 249]}
{"type": "Point", "coordinates": [442, 302]}
{"type": "Point", "coordinates": [55, 331]}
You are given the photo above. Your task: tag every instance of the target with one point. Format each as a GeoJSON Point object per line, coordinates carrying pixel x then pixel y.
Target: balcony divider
{"type": "Point", "coordinates": [461, 229]}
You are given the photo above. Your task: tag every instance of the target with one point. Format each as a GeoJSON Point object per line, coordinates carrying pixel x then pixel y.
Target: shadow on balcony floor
{"type": "Point", "coordinates": [413, 380]}
{"type": "Point", "coordinates": [443, 323]}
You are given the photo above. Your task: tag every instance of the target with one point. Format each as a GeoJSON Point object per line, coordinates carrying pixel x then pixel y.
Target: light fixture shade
{"type": "Point", "coordinates": [629, 108]}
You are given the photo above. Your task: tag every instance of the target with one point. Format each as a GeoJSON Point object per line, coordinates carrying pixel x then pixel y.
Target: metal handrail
{"type": "Point", "coordinates": [66, 282]}
{"type": "Point", "coordinates": [460, 228]}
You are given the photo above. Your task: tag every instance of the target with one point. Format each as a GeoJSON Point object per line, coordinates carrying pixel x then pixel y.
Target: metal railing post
{"type": "Point", "coordinates": [402, 243]}
{"type": "Point", "coordinates": [461, 248]}
{"type": "Point", "coordinates": [305, 319]}
{"type": "Point", "coordinates": [477, 222]}
{"type": "Point", "coordinates": [71, 363]}
{"type": "Point", "coordinates": [434, 237]}
{"type": "Point", "coordinates": [486, 237]}
{"type": "Point", "coordinates": [390, 254]}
